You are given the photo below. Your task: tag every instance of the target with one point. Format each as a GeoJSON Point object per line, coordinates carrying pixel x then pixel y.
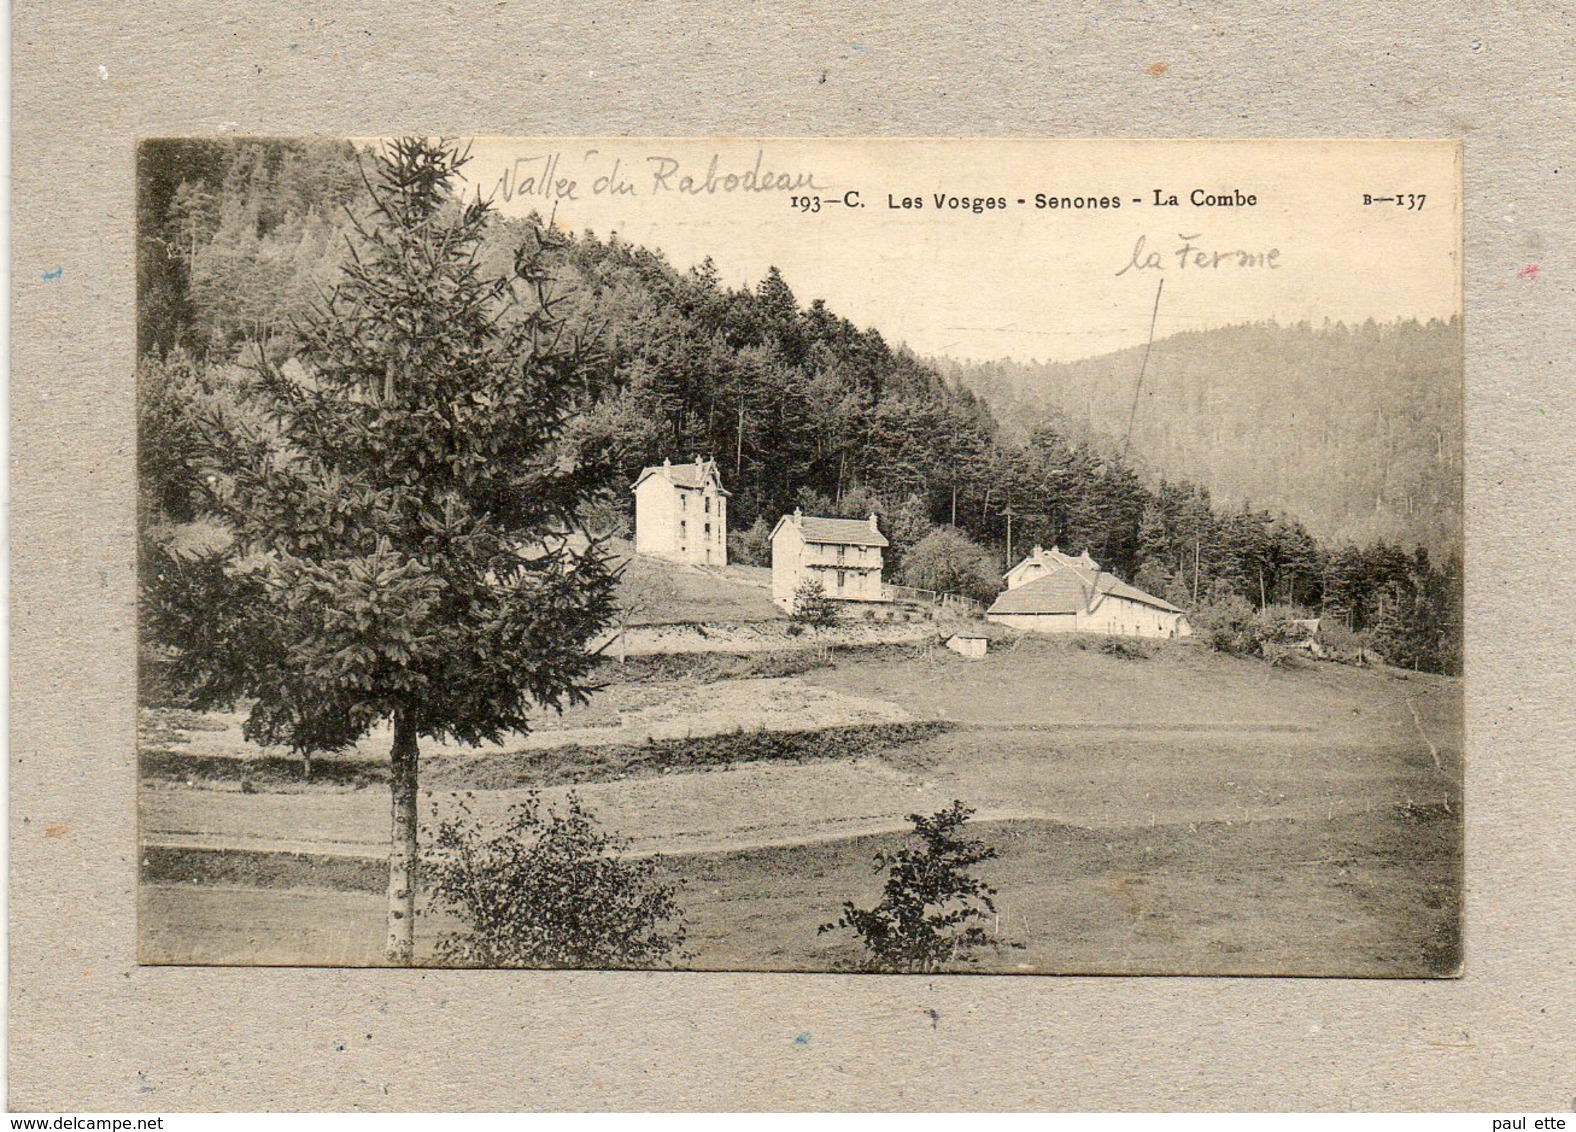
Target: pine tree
{"type": "Point", "coordinates": [812, 607]}
{"type": "Point", "coordinates": [933, 908]}
{"type": "Point", "coordinates": [402, 525]}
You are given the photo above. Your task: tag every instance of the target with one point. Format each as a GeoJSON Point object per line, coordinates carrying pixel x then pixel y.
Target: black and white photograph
{"type": "Point", "coordinates": [915, 557]}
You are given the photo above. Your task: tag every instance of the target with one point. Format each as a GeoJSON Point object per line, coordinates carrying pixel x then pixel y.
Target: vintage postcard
{"type": "Point", "coordinates": [911, 556]}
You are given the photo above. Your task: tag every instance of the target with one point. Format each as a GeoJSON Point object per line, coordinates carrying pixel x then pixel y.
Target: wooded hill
{"type": "Point", "coordinates": [1355, 430]}
{"type": "Point", "coordinates": [803, 408]}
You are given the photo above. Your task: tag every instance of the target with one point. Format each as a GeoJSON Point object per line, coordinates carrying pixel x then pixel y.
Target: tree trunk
{"type": "Point", "coordinates": [738, 459]}
{"type": "Point", "coordinates": [402, 845]}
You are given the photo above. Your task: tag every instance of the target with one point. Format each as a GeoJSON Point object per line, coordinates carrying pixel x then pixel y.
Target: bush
{"type": "Point", "coordinates": [1227, 625]}
{"type": "Point", "coordinates": [948, 561]}
{"type": "Point", "coordinates": [1343, 645]}
{"type": "Point", "coordinates": [750, 666]}
{"type": "Point", "coordinates": [812, 608]}
{"type": "Point", "coordinates": [1128, 648]}
{"type": "Point", "coordinates": [606, 518]}
{"type": "Point", "coordinates": [550, 890]}
{"type": "Point", "coordinates": [1277, 636]}
{"type": "Point", "coordinates": [751, 547]}
{"type": "Point", "coordinates": [1278, 623]}
{"type": "Point", "coordinates": [929, 912]}
{"type": "Point", "coordinates": [1231, 625]}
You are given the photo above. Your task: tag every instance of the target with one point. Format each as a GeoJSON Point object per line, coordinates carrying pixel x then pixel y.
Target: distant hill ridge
{"type": "Point", "coordinates": [1355, 430]}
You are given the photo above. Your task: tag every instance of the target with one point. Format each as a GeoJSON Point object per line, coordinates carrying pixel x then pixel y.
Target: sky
{"type": "Point", "coordinates": [1021, 281]}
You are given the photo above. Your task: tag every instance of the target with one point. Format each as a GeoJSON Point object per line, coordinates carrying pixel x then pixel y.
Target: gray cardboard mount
{"type": "Point", "coordinates": [90, 1030]}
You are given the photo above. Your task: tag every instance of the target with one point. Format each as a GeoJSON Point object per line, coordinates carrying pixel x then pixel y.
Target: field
{"type": "Point", "coordinates": [1187, 813]}
{"type": "Point", "coordinates": [664, 593]}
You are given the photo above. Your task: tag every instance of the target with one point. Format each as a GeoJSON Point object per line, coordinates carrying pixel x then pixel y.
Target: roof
{"type": "Point", "coordinates": [1067, 588]}
{"type": "Point", "coordinates": [848, 532]}
{"type": "Point", "coordinates": [835, 532]}
{"type": "Point", "coordinates": [683, 475]}
{"type": "Point", "coordinates": [1050, 559]}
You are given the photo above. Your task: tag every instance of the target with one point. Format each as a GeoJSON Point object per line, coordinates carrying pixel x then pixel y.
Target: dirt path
{"type": "Point", "coordinates": [1092, 779]}
{"type": "Point", "coordinates": [1365, 895]}
{"type": "Point", "coordinates": [632, 713]}
{"type": "Point", "coordinates": [1255, 744]}
{"type": "Point", "coordinates": [753, 805]}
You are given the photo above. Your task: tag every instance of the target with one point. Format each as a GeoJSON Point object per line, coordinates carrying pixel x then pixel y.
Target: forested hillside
{"type": "Point", "coordinates": [801, 407]}
{"type": "Point", "coordinates": [1355, 430]}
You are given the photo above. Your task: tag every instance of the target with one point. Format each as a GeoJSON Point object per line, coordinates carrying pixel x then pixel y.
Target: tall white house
{"type": "Point", "coordinates": [1052, 592]}
{"type": "Point", "coordinates": [681, 513]}
{"type": "Point", "coordinates": [843, 554]}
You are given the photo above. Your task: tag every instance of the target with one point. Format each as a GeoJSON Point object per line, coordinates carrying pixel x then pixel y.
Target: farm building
{"type": "Point", "coordinates": [843, 554]}
{"type": "Point", "coordinates": [681, 513]}
{"type": "Point", "coordinates": [971, 647]}
{"type": "Point", "coordinates": [1052, 592]}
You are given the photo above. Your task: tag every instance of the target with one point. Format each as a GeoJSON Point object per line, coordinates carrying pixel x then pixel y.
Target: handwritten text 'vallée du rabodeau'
{"type": "Point", "coordinates": [551, 177]}
{"type": "Point", "coordinates": [547, 177]}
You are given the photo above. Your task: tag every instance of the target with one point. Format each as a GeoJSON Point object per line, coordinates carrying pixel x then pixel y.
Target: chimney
{"type": "Point", "coordinates": [873, 526]}
{"type": "Point", "coordinates": [666, 463]}
{"type": "Point", "coordinates": [798, 513]}
{"type": "Point", "coordinates": [1038, 553]}
{"type": "Point", "coordinates": [699, 462]}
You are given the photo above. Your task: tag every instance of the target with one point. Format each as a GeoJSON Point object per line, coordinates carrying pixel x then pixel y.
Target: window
{"type": "Point", "coordinates": [840, 576]}
{"type": "Point", "coordinates": [708, 505]}
{"type": "Point", "coordinates": [682, 526]}
{"type": "Point", "coordinates": [683, 502]}
{"type": "Point", "coordinates": [708, 530]}
{"type": "Point", "coordinates": [841, 551]}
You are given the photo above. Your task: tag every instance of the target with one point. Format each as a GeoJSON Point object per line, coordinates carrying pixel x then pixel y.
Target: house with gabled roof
{"type": "Point", "coordinates": [1052, 592]}
{"type": "Point", "coordinates": [681, 513]}
{"type": "Point", "coordinates": [844, 555]}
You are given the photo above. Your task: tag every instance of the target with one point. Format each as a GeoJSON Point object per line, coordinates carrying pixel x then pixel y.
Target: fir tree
{"type": "Point", "coordinates": [402, 522]}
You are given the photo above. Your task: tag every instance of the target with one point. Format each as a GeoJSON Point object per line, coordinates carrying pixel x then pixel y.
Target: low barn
{"type": "Point", "coordinates": [1052, 592]}
{"type": "Point", "coordinates": [971, 647]}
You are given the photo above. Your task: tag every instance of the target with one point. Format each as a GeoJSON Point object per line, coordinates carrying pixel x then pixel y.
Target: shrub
{"type": "Point", "coordinates": [1227, 625]}
{"type": "Point", "coordinates": [812, 608]}
{"type": "Point", "coordinates": [550, 890]}
{"type": "Point", "coordinates": [751, 547]}
{"type": "Point", "coordinates": [606, 518]}
{"type": "Point", "coordinates": [1128, 648]}
{"type": "Point", "coordinates": [1343, 645]}
{"type": "Point", "coordinates": [929, 911]}
{"type": "Point", "coordinates": [1278, 622]}
{"type": "Point", "coordinates": [948, 561]}
{"type": "Point", "coordinates": [789, 662]}
{"type": "Point", "coordinates": [1231, 625]}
